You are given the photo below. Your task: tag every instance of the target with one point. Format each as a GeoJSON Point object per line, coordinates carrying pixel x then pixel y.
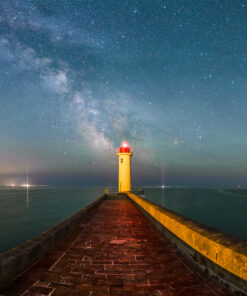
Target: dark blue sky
{"type": "Point", "coordinates": [77, 77]}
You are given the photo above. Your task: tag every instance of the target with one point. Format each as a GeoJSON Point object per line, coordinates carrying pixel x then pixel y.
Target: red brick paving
{"type": "Point", "coordinates": [116, 252]}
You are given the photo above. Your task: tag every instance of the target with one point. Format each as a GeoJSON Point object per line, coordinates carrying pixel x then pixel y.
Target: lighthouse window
{"type": "Point", "coordinates": [121, 160]}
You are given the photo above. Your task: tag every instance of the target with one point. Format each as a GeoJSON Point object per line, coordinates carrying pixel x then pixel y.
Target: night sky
{"type": "Point", "coordinates": [78, 77]}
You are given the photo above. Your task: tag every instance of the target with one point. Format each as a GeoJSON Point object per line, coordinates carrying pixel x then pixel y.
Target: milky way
{"type": "Point", "coordinates": [77, 77]}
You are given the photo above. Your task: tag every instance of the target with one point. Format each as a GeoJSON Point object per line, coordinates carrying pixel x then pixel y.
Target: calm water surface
{"type": "Point", "coordinates": [223, 209]}
{"type": "Point", "coordinates": [23, 217]}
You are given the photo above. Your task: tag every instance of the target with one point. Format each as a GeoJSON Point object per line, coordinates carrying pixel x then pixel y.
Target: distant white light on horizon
{"type": "Point", "coordinates": [26, 185]}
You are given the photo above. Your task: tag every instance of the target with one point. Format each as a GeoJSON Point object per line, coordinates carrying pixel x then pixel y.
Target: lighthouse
{"type": "Point", "coordinates": [124, 177]}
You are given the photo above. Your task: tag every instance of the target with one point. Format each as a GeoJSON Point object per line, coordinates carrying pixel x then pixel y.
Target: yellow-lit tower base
{"type": "Point", "coordinates": [124, 177]}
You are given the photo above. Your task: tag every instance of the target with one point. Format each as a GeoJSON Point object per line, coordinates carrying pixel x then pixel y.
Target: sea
{"type": "Point", "coordinates": [26, 213]}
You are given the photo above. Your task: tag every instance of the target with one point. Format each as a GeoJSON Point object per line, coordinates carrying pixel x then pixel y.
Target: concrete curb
{"type": "Point", "coordinates": [18, 259]}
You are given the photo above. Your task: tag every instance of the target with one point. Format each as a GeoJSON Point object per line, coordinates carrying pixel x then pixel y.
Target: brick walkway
{"type": "Point", "coordinates": [117, 252]}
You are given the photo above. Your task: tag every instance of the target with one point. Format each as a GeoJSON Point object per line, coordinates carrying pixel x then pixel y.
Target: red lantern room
{"type": "Point", "coordinates": [124, 148]}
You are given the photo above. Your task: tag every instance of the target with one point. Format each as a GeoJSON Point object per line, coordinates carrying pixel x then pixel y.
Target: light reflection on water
{"type": "Point", "coordinates": [27, 194]}
{"type": "Point", "coordinates": [26, 213]}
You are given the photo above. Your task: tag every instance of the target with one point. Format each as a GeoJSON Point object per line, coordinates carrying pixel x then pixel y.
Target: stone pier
{"type": "Point", "coordinates": [115, 251]}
